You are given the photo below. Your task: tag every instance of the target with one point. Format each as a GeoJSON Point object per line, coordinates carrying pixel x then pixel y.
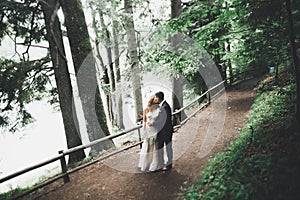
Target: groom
{"type": "Point", "coordinates": [164, 126]}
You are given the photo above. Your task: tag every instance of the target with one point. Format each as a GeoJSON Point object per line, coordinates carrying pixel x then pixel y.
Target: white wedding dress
{"type": "Point", "coordinates": [148, 155]}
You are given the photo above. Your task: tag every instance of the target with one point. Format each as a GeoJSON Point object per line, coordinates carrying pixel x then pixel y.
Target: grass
{"type": "Point", "coordinates": [263, 164]}
{"type": "Point", "coordinates": [12, 192]}
{"type": "Point", "coordinates": [19, 190]}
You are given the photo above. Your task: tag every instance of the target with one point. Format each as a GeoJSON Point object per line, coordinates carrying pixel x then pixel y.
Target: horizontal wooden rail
{"type": "Point", "coordinates": [193, 114]}
{"type": "Point", "coordinates": [57, 177]}
{"type": "Point", "coordinates": [30, 168]}
{"type": "Point", "coordinates": [197, 99]}
{"type": "Point", "coordinates": [69, 151]}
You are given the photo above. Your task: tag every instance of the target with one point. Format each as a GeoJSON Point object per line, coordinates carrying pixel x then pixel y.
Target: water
{"type": "Point", "coordinates": [40, 141]}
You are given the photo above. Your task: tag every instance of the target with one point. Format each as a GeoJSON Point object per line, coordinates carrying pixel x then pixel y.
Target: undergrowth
{"type": "Point", "coordinates": [263, 163]}
{"type": "Point", "coordinates": [12, 193]}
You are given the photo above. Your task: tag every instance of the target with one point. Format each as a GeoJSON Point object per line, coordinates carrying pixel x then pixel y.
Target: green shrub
{"type": "Point", "coordinates": [262, 165]}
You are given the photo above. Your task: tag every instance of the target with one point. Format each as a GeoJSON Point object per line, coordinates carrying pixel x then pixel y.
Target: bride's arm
{"type": "Point", "coordinates": [145, 118]}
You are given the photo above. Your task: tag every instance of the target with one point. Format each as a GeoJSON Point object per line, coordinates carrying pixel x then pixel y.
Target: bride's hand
{"type": "Point", "coordinates": [149, 123]}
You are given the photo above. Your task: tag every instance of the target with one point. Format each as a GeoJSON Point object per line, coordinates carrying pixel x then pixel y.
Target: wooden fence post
{"type": "Point", "coordinates": [64, 168]}
{"type": "Point", "coordinates": [179, 120]}
{"type": "Point", "coordinates": [176, 119]}
{"type": "Point", "coordinates": [140, 138]}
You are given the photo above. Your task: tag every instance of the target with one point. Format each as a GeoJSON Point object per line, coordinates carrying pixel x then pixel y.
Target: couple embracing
{"type": "Point", "coordinates": [157, 133]}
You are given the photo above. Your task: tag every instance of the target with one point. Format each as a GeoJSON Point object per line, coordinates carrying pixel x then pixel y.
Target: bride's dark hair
{"type": "Point", "coordinates": [151, 106]}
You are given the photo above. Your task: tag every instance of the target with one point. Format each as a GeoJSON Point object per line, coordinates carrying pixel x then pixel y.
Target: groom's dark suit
{"type": "Point", "coordinates": [165, 133]}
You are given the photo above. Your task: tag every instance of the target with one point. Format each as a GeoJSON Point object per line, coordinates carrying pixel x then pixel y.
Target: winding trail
{"type": "Point", "coordinates": [194, 144]}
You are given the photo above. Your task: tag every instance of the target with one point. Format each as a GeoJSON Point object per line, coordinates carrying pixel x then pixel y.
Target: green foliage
{"type": "Point", "coordinates": [20, 84]}
{"type": "Point", "coordinates": [243, 33]}
{"type": "Point", "coordinates": [22, 79]}
{"type": "Point", "coordinates": [258, 166]}
{"type": "Point", "coordinates": [12, 193]}
{"type": "Point", "coordinates": [22, 20]}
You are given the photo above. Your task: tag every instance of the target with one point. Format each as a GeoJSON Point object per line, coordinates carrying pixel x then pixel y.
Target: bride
{"type": "Point", "coordinates": [148, 155]}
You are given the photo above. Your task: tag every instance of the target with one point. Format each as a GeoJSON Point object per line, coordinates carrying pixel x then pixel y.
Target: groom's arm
{"type": "Point", "coordinates": [159, 122]}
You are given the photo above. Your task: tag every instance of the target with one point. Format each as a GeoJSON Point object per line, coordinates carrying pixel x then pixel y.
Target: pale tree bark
{"type": "Point", "coordinates": [134, 59]}
{"type": "Point", "coordinates": [62, 77]}
{"type": "Point", "coordinates": [117, 71]}
{"type": "Point", "coordinates": [103, 70]}
{"type": "Point", "coordinates": [106, 72]}
{"type": "Point", "coordinates": [85, 69]}
{"type": "Point", "coordinates": [110, 64]}
{"type": "Point", "coordinates": [294, 55]}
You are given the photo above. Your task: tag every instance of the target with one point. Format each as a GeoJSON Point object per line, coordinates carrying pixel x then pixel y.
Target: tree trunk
{"type": "Point", "coordinates": [229, 65]}
{"type": "Point", "coordinates": [103, 70]}
{"type": "Point", "coordinates": [134, 59]}
{"type": "Point", "coordinates": [222, 68]}
{"type": "Point", "coordinates": [109, 66]}
{"type": "Point", "coordinates": [84, 64]}
{"type": "Point", "coordinates": [106, 72]}
{"type": "Point", "coordinates": [228, 50]}
{"type": "Point", "coordinates": [63, 81]}
{"type": "Point", "coordinates": [118, 93]}
{"type": "Point", "coordinates": [177, 82]}
{"type": "Point", "coordinates": [175, 8]}
{"type": "Point", "coordinates": [294, 55]}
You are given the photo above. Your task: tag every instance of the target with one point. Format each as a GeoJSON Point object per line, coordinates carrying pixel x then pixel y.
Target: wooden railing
{"type": "Point", "coordinates": [61, 154]}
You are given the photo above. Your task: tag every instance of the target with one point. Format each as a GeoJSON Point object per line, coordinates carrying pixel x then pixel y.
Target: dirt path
{"type": "Point", "coordinates": [194, 144]}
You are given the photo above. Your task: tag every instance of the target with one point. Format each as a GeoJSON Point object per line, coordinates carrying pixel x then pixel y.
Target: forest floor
{"type": "Point", "coordinates": [194, 144]}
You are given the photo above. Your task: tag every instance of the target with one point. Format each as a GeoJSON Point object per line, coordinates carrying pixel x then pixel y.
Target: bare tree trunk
{"type": "Point", "coordinates": [63, 81]}
{"type": "Point", "coordinates": [134, 59]}
{"type": "Point", "coordinates": [177, 98]}
{"type": "Point", "coordinates": [84, 64]}
{"type": "Point", "coordinates": [229, 65]}
{"type": "Point", "coordinates": [294, 55]}
{"type": "Point", "coordinates": [109, 66]}
{"type": "Point", "coordinates": [103, 71]}
{"type": "Point", "coordinates": [222, 68]}
{"type": "Point", "coordinates": [175, 8]}
{"type": "Point", "coordinates": [118, 92]}
{"type": "Point", "coordinates": [228, 50]}
{"type": "Point", "coordinates": [177, 82]}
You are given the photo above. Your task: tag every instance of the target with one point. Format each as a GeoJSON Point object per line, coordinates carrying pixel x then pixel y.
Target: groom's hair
{"type": "Point", "coordinates": [160, 95]}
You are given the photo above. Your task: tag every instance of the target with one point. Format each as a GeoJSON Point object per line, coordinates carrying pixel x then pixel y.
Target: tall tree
{"type": "Point", "coordinates": [62, 77]}
{"type": "Point", "coordinates": [294, 55]}
{"type": "Point", "coordinates": [103, 64]}
{"type": "Point", "coordinates": [110, 64]}
{"type": "Point", "coordinates": [24, 21]}
{"type": "Point", "coordinates": [177, 82]}
{"type": "Point", "coordinates": [84, 64]}
{"type": "Point", "coordinates": [133, 58]}
{"type": "Point", "coordinates": [117, 71]}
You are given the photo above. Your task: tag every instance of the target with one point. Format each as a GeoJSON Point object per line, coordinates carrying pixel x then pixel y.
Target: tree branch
{"type": "Point", "coordinates": [52, 20]}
